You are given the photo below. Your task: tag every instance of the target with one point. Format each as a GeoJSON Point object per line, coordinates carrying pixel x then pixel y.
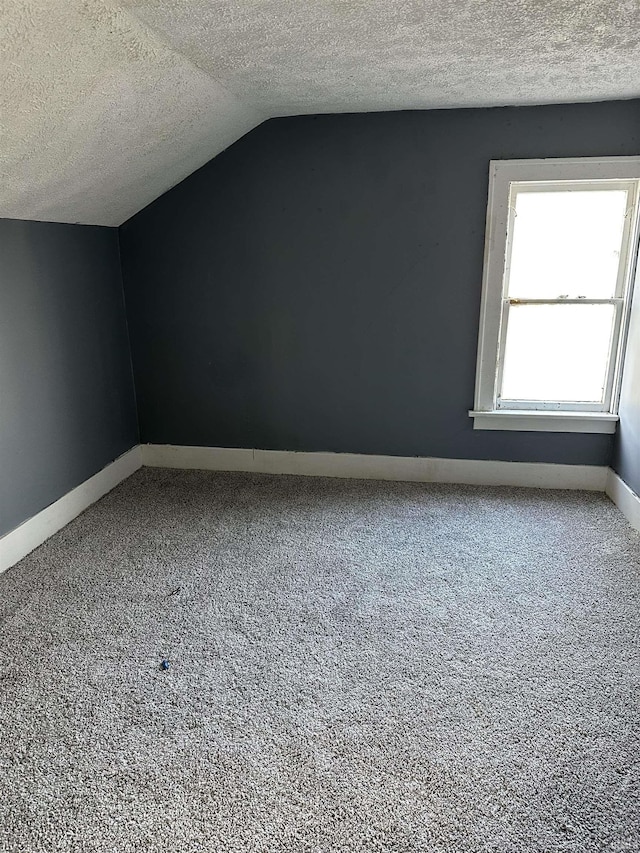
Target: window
{"type": "Point", "coordinates": [560, 254]}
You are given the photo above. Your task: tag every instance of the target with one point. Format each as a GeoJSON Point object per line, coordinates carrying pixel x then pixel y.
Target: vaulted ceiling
{"type": "Point", "coordinates": [104, 105]}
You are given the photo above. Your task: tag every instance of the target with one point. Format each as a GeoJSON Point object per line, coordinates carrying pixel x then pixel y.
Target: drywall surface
{"type": "Point", "coordinates": [626, 455]}
{"type": "Point", "coordinates": [67, 406]}
{"type": "Point", "coordinates": [317, 286]}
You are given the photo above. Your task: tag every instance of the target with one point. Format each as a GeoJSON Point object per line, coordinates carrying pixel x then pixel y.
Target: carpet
{"type": "Point", "coordinates": [351, 666]}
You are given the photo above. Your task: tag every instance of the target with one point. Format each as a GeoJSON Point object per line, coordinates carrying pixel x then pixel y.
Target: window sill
{"type": "Point", "coordinates": [547, 421]}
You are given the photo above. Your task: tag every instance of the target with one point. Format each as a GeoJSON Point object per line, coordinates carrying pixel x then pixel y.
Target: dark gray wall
{"type": "Point", "coordinates": [317, 286]}
{"type": "Point", "coordinates": [67, 406]}
{"type": "Point", "coordinates": [626, 456]}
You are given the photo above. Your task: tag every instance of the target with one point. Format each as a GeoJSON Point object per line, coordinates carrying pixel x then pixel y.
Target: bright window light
{"type": "Point", "coordinates": [561, 251]}
{"type": "Point", "coordinates": [566, 243]}
{"type": "Point", "coordinates": [557, 352]}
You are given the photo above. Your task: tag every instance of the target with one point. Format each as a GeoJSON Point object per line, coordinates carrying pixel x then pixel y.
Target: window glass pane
{"type": "Point", "coordinates": [557, 352]}
{"type": "Point", "coordinates": [566, 243]}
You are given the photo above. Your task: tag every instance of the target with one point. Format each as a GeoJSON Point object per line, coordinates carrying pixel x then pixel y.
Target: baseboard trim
{"type": "Point", "coordinates": [627, 501]}
{"type": "Point", "coordinates": [31, 533]}
{"type": "Point", "coordinates": [476, 472]}
{"type": "Point", "coordinates": [359, 466]}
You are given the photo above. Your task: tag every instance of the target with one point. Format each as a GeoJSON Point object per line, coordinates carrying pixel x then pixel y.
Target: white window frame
{"type": "Point", "coordinates": [489, 412]}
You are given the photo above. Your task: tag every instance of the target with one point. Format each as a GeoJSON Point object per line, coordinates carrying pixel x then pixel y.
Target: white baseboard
{"type": "Point", "coordinates": [624, 498]}
{"type": "Point", "coordinates": [477, 472]}
{"type": "Point", "coordinates": [19, 542]}
{"type": "Point", "coordinates": [358, 466]}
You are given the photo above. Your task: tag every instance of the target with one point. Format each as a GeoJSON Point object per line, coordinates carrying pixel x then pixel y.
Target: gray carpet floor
{"type": "Point", "coordinates": [353, 666]}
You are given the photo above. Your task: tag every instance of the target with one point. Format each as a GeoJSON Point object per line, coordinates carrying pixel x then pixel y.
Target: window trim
{"type": "Point", "coordinates": [557, 418]}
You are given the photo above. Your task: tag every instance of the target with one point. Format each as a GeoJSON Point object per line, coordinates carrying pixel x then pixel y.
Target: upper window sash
{"type": "Point", "coordinates": [590, 184]}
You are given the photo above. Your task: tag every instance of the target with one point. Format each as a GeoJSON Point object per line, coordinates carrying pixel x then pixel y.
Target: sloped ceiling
{"type": "Point", "coordinates": [98, 116]}
{"type": "Point", "coordinates": [105, 105]}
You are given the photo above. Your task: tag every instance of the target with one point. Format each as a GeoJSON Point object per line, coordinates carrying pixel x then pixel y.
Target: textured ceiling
{"type": "Point", "coordinates": [105, 104]}
{"type": "Point", "coordinates": [97, 116]}
{"type": "Point", "coordinates": [293, 56]}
